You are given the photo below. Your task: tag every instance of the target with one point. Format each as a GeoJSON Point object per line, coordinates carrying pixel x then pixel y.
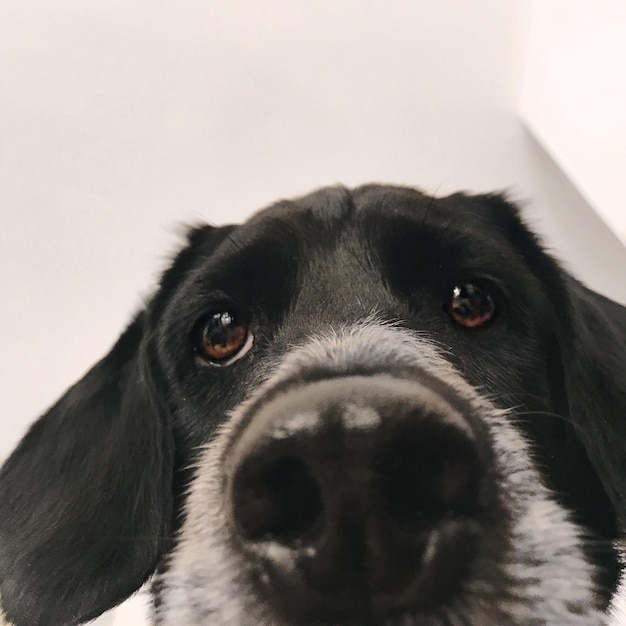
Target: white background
{"type": "Point", "coordinates": [574, 96]}
{"type": "Point", "coordinates": [120, 120]}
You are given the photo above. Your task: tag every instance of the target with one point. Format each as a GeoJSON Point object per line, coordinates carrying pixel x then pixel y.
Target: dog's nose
{"type": "Point", "coordinates": [358, 496]}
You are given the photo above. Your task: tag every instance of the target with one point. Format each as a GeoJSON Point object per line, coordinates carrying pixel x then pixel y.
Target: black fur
{"type": "Point", "coordinates": [91, 498]}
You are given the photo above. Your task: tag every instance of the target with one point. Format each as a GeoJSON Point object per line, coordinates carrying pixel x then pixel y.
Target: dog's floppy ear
{"type": "Point", "coordinates": [594, 364]}
{"type": "Point", "coordinates": [86, 499]}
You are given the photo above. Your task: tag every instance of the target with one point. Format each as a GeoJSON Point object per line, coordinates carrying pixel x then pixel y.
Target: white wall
{"type": "Point", "coordinates": [119, 120]}
{"type": "Point", "coordinates": [574, 96]}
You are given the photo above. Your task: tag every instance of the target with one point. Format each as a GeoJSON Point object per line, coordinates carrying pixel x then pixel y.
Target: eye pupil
{"type": "Point", "coordinates": [471, 306]}
{"type": "Point", "coordinates": [218, 328]}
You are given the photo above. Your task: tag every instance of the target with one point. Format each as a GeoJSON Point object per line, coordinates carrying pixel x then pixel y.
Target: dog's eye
{"type": "Point", "coordinates": [470, 306]}
{"type": "Point", "coordinates": [222, 338]}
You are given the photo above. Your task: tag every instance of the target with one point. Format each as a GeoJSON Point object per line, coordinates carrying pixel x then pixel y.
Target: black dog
{"type": "Point", "coordinates": [359, 407]}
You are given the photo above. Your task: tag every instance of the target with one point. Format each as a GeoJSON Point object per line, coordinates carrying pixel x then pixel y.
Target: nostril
{"type": "Point", "coordinates": [276, 499]}
{"type": "Point", "coordinates": [430, 474]}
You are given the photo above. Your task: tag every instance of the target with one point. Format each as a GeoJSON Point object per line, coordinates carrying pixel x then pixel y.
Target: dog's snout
{"type": "Point", "coordinates": [358, 493]}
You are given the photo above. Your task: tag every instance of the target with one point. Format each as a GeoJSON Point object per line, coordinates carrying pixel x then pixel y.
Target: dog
{"type": "Point", "coordinates": [360, 407]}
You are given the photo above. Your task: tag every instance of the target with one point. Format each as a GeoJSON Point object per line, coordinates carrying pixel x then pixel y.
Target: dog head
{"type": "Point", "coordinates": [359, 407]}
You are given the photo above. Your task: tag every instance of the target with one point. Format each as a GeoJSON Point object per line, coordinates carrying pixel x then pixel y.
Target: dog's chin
{"type": "Point", "coordinates": [518, 559]}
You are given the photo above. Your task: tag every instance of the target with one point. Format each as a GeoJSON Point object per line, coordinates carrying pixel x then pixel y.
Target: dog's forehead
{"type": "Point", "coordinates": [325, 216]}
{"type": "Point", "coordinates": [331, 206]}
{"type": "Point", "coordinates": [388, 220]}
{"type": "Point", "coordinates": [391, 228]}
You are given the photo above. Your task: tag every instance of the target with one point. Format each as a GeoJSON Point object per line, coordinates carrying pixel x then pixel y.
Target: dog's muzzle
{"type": "Point", "coordinates": [359, 496]}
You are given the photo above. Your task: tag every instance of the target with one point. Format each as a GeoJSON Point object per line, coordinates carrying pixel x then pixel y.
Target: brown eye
{"type": "Point", "coordinates": [222, 338]}
{"type": "Point", "coordinates": [470, 306]}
